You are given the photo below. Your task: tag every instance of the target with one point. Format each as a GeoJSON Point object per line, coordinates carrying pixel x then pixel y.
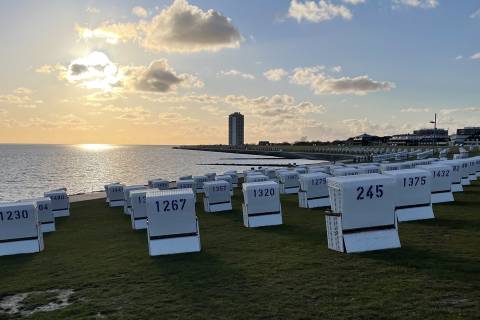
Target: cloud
{"type": "Point", "coordinates": [426, 4]}
{"type": "Point", "coordinates": [322, 10]}
{"type": "Point", "coordinates": [102, 96]}
{"type": "Point", "coordinates": [415, 110]}
{"type": "Point", "coordinates": [476, 56]}
{"type": "Point", "coordinates": [58, 69]}
{"type": "Point", "coordinates": [275, 74]}
{"type": "Point", "coordinates": [157, 77]}
{"type": "Point", "coordinates": [321, 83]}
{"type": "Point", "coordinates": [28, 106]}
{"type": "Point", "coordinates": [359, 126]}
{"type": "Point", "coordinates": [13, 99]}
{"type": "Point", "coordinates": [336, 69]}
{"type": "Point", "coordinates": [215, 110]}
{"type": "Point", "coordinates": [175, 118]}
{"type": "Point", "coordinates": [236, 73]}
{"type": "Point", "coordinates": [173, 98]}
{"type": "Point", "coordinates": [93, 71]}
{"type": "Point", "coordinates": [133, 114]}
{"type": "Point", "coordinates": [21, 97]}
{"type": "Point", "coordinates": [180, 27]}
{"type": "Point", "coordinates": [459, 57]}
{"type": "Point", "coordinates": [110, 33]}
{"type": "Point", "coordinates": [139, 12]}
{"type": "Point", "coordinates": [281, 106]}
{"type": "Point", "coordinates": [305, 76]}
{"type": "Point", "coordinates": [354, 2]}
{"type": "Point", "coordinates": [23, 90]}
{"type": "Point", "coordinates": [476, 14]}
{"type": "Point", "coordinates": [92, 10]}
{"type": "Point", "coordinates": [448, 111]}
{"type": "Point", "coordinates": [97, 71]}
{"type": "Point", "coordinates": [64, 122]}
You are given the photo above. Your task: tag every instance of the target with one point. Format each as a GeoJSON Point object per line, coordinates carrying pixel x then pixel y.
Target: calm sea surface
{"type": "Point", "coordinates": [29, 170]}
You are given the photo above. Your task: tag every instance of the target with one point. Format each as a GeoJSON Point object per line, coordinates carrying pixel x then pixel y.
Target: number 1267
{"type": "Point", "coordinates": [171, 205]}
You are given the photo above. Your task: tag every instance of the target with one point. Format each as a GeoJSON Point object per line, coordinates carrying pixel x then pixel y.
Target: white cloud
{"type": "Point", "coordinates": [180, 27]}
{"type": "Point", "coordinates": [354, 2]}
{"type": "Point", "coordinates": [426, 4]}
{"type": "Point", "coordinates": [21, 97]}
{"type": "Point", "coordinates": [133, 114]}
{"type": "Point", "coordinates": [28, 106]}
{"type": "Point", "coordinates": [102, 96]}
{"type": "Point", "coordinates": [94, 71]}
{"type": "Point", "coordinates": [13, 99]}
{"type": "Point", "coordinates": [305, 76]}
{"type": "Point", "coordinates": [476, 56]}
{"type": "Point", "coordinates": [415, 110]}
{"type": "Point", "coordinates": [476, 14]}
{"type": "Point", "coordinates": [283, 106]}
{"type": "Point", "coordinates": [236, 73]}
{"type": "Point", "coordinates": [97, 71]}
{"type": "Point", "coordinates": [277, 117]}
{"type": "Point", "coordinates": [215, 110]}
{"type": "Point", "coordinates": [23, 90]}
{"type": "Point", "coordinates": [275, 74]}
{"type": "Point", "coordinates": [92, 10]}
{"type": "Point", "coordinates": [64, 122]}
{"type": "Point", "coordinates": [320, 83]}
{"type": "Point", "coordinates": [336, 69]}
{"type": "Point", "coordinates": [312, 11]}
{"type": "Point", "coordinates": [459, 57]}
{"type": "Point", "coordinates": [448, 111]}
{"type": "Point", "coordinates": [364, 125]}
{"type": "Point", "coordinates": [111, 34]}
{"type": "Point", "coordinates": [58, 69]}
{"type": "Point", "coordinates": [173, 98]}
{"type": "Point", "coordinates": [140, 12]}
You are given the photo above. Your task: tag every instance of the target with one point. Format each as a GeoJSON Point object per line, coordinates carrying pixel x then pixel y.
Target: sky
{"type": "Point", "coordinates": [170, 71]}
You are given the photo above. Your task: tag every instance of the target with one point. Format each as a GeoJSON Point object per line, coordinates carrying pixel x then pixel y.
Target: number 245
{"type": "Point", "coordinates": [361, 195]}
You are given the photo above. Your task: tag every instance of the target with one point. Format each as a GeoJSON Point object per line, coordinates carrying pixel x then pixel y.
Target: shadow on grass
{"type": "Point", "coordinates": [433, 263]}
{"type": "Point", "coordinates": [444, 222]}
{"type": "Point", "coordinates": [202, 278]}
{"type": "Point", "coordinates": [313, 236]}
{"type": "Point", "coordinates": [10, 265]}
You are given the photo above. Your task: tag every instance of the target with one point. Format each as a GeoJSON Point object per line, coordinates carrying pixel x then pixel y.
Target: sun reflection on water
{"type": "Point", "coordinates": [94, 147]}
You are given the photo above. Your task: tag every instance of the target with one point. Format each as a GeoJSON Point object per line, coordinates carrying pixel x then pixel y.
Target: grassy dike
{"type": "Point", "coordinates": [283, 272]}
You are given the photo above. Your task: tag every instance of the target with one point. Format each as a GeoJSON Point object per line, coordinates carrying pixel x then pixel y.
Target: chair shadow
{"type": "Point", "coordinates": [440, 265]}
{"type": "Point", "coordinates": [451, 223]}
{"type": "Point", "coordinates": [202, 278]}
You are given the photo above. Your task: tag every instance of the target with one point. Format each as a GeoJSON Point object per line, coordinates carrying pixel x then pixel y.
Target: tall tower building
{"type": "Point", "coordinates": [235, 129]}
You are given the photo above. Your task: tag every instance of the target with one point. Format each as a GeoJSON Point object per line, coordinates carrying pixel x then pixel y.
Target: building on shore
{"type": "Point", "coordinates": [236, 129]}
{"type": "Point", "coordinates": [467, 135]}
{"type": "Point", "coordinates": [421, 137]}
{"type": "Point", "coordinates": [367, 140]}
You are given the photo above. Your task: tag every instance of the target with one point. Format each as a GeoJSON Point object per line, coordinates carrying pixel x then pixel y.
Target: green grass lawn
{"type": "Point", "coordinates": [283, 272]}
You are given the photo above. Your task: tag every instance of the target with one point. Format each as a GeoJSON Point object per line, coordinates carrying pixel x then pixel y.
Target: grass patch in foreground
{"type": "Point", "coordinates": [283, 272]}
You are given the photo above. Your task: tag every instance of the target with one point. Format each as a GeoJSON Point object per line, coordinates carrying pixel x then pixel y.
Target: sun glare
{"type": "Point", "coordinates": [96, 147]}
{"type": "Point", "coordinates": [95, 71]}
